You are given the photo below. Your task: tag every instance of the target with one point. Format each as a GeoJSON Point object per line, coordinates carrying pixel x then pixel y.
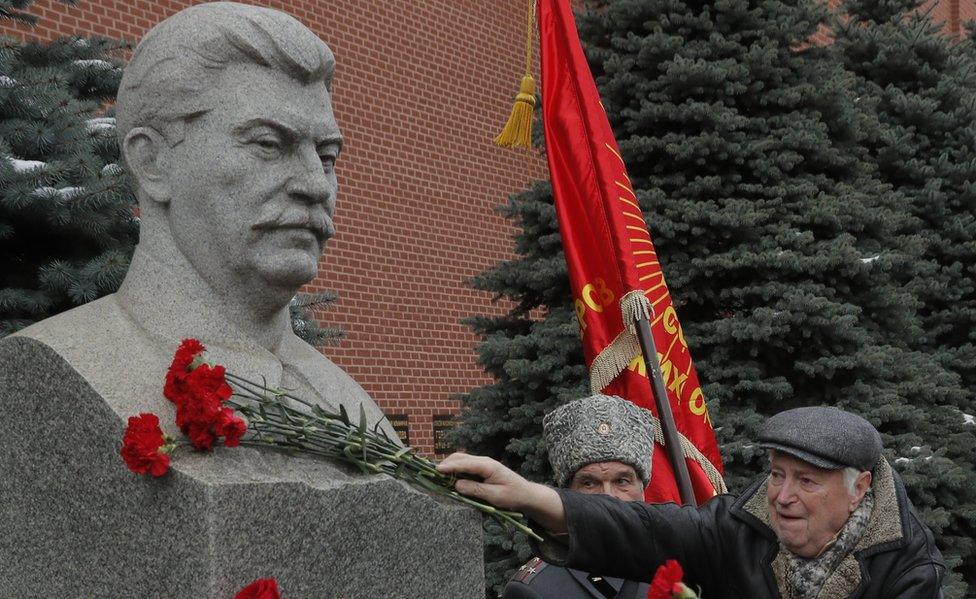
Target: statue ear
{"type": "Point", "coordinates": [143, 148]}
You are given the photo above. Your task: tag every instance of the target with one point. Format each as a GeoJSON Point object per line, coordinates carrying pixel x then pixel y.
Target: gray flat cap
{"type": "Point", "coordinates": [824, 436]}
{"type": "Point", "coordinates": [599, 428]}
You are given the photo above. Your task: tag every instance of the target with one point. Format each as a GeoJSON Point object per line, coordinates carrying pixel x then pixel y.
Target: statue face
{"type": "Point", "coordinates": [253, 185]}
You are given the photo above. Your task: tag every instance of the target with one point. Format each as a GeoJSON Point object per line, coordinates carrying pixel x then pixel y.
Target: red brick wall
{"type": "Point", "coordinates": [422, 86]}
{"type": "Point", "coordinates": [967, 12]}
{"type": "Point", "coordinates": [951, 13]}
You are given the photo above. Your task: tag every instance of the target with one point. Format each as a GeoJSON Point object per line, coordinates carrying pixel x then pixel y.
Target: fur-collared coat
{"type": "Point", "coordinates": [728, 549]}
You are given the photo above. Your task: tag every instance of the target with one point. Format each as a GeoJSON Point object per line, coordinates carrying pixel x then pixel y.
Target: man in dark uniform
{"type": "Point", "coordinates": [599, 445]}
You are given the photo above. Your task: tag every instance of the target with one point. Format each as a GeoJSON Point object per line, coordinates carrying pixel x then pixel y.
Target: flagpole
{"type": "Point", "coordinates": [672, 441]}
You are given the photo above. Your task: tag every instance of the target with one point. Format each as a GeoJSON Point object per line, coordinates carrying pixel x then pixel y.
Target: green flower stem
{"type": "Point", "coordinates": [319, 432]}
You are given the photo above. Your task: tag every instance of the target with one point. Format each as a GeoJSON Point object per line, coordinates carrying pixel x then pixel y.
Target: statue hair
{"type": "Point", "coordinates": [181, 58]}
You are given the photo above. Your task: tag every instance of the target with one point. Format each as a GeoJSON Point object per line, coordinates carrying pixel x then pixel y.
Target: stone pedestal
{"type": "Point", "coordinates": [74, 522]}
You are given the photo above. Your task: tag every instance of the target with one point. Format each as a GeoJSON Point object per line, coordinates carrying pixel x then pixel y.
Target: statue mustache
{"type": "Point", "coordinates": [319, 224]}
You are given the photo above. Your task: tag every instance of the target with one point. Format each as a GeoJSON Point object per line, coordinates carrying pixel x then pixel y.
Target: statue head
{"type": "Point", "coordinates": [225, 121]}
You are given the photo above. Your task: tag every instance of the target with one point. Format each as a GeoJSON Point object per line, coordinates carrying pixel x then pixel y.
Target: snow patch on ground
{"type": "Point", "coordinates": [7, 81]}
{"type": "Point", "coordinates": [871, 259]}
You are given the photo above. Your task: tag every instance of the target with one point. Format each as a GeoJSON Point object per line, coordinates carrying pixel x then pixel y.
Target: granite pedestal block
{"type": "Point", "coordinates": [74, 522]}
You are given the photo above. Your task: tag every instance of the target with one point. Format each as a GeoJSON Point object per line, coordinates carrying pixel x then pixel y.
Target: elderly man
{"type": "Point", "coordinates": [225, 122]}
{"type": "Point", "coordinates": [831, 520]}
{"type": "Point", "coordinates": [597, 445]}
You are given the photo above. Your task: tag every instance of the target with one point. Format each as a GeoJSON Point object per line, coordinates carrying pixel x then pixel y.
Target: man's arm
{"type": "Point", "coordinates": [505, 489]}
{"type": "Point", "coordinates": [606, 535]}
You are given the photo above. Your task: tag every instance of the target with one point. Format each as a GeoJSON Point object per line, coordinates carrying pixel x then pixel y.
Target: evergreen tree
{"type": "Point", "coordinates": [67, 225]}
{"type": "Point", "coordinates": [303, 321]}
{"type": "Point", "coordinates": [781, 247]}
{"type": "Point", "coordinates": [922, 85]}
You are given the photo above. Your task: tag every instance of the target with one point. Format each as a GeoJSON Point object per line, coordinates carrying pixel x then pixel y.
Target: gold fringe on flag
{"type": "Point", "coordinates": [618, 355]}
{"type": "Point", "coordinates": [688, 450]}
{"type": "Point", "coordinates": [623, 350]}
{"type": "Point", "coordinates": [518, 130]}
{"type": "Point", "coordinates": [634, 304]}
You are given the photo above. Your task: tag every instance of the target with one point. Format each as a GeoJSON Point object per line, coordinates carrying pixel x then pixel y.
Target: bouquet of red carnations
{"type": "Point", "coordinates": [214, 406]}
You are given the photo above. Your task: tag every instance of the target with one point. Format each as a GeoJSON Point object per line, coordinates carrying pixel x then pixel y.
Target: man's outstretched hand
{"type": "Point", "coordinates": [505, 489]}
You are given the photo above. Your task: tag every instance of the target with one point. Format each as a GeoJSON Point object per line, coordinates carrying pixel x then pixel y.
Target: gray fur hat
{"type": "Point", "coordinates": [599, 428]}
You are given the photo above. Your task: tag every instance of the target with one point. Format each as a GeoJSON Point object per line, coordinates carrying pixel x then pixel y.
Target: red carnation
{"type": "Point", "coordinates": [209, 382]}
{"type": "Point", "coordinates": [144, 447]}
{"type": "Point", "coordinates": [264, 588]}
{"type": "Point", "coordinates": [231, 427]}
{"type": "Point", "coordinates": [200, 413]}
{"type": "Point", "coordinates": [200, 434]}
{"type": "Point", "coordinates": [186, 353]}
{"type": "Point", "coordinates": [667, 582]}
{"type": "Point", "coordinates": [199, 391]}
{"type": "Point", "coordinates": [179, 370]}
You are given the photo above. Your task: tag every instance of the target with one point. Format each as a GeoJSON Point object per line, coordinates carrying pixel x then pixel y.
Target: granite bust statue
{"type": "Point", "coordinates": [225, 121]}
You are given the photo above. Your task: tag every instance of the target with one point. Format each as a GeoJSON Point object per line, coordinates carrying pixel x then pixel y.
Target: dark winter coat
{"type": "Point", "coordinates": [539, 580]}
{"type": "Point", "coordinates": [728, 549]}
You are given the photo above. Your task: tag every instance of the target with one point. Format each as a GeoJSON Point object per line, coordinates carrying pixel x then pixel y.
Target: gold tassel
{"type": "Point", "coordinates": [518, 130]}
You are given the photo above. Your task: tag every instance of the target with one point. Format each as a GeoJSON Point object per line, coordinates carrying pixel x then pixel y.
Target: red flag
{"type": "Point", "coordinates": [612, 263]}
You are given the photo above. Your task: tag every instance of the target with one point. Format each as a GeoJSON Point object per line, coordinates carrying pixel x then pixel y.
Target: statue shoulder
{"type": "Point", "coordinates": [329, 374]}
{"type": "Point", "coordinates": [93, 329]}
{"type": "Point", "coordinates": [332, 383]}
{"type": "Point", "coordinates": [114, 356]}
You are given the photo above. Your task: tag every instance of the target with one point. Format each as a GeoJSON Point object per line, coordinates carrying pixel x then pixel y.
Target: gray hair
{"type": "Point", "coordinates": [178, 60]}
{"type": "Point", "coordinates": [850, 479]}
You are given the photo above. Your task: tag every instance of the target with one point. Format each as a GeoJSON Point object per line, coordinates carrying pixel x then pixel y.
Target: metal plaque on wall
{"type": "Point", "coordinates": [442, 424]}
{"type": "Point", "coordinates": [401, 424]}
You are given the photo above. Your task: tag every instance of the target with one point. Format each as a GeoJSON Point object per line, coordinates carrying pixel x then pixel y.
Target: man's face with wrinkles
{"type": "Point", "coordinates": [609, 478]}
